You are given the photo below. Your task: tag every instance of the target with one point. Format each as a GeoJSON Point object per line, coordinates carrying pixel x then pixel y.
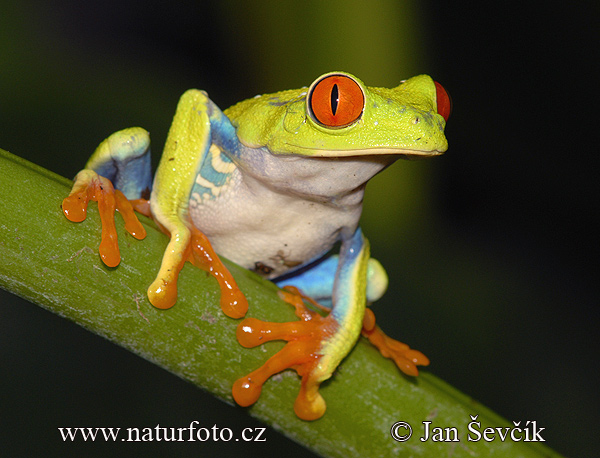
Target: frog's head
{"type": "Point", "coordinates": [339, 116]}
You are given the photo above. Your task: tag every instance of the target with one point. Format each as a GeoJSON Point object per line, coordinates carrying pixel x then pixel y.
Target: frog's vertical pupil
{"type": "Point", "coordinates": [334, 98]}
{"type": "Point", "coordinates": [335, 101]}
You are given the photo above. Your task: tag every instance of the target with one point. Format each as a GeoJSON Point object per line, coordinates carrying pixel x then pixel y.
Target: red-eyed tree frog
{"type": "Point", "coordinates": [273, 183]}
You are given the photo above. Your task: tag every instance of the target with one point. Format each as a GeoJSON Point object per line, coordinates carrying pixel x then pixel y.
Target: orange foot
{"type": "Point", "coordinates": [405, 358]}
{"type": "Point", "coordinates": [91, 186]}
{"type": "Point", "coordinates": [233, 302]}
{"type": "Point", "coordinates": [302, 353]}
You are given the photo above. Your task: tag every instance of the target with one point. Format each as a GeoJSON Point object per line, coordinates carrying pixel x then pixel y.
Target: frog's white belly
{"type": "Point", "coordinates": [268, 231]}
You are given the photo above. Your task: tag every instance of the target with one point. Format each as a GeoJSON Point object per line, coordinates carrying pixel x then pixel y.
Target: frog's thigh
{"type": "Point", "coordinates": [124, 158]}
{"type": "Point", "coordinates": [317, 282]}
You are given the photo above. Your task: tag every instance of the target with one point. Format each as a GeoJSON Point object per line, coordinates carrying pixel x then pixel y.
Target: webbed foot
{"type": "Point", "coordinates": [195, 248]}
{"type": "Point", "coordinates": [91, 186]}
{"type": "Point", "coordinates": [405, 358]}
{"type": "Point", "coordinates": [303, 352]}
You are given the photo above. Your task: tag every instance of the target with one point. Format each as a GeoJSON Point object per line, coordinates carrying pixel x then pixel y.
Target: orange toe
{"type": "Point", "coordinates": [233, 302]}
{"type": "Point", "coordinates": [405, 358]}
{"type": "Point", "coordinates": [302, 353]}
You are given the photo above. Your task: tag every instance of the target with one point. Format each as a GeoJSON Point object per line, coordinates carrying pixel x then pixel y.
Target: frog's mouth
{"type": "Point", "coordinates": [403, 153]}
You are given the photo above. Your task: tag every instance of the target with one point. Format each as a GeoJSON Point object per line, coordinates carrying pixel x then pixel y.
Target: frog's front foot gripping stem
{"type": "Point", "coordinates": [302, 353]}
{"type": "Point", "coordinates": [91, 186]}
{"type": "Point", "coordinates": [306, 353]}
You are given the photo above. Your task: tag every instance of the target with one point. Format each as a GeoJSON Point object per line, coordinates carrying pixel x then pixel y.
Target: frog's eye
{"type": "Point", "coordinates": [335, 101]}
{"type": "Point", "coordinates": [444, 102]}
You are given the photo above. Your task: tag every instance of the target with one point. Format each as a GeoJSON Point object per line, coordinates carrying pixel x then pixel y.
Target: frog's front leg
{"type": "Point", "coordinates": [317, 344]}
{"type": "Point", "coordinates": [316, 284]}
{"type": "Point", "coordinates": [197, 122]}
{"type": "Point", "coordinates": [124, 156]}
{"type": "Point", "coordinates": [122, 159]}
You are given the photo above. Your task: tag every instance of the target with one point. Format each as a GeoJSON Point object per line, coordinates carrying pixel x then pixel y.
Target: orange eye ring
{"type": "Point", "coordinates": [335, 101]}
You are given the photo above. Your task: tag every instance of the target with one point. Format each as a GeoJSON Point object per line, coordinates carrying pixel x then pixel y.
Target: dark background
{"type": "Point", "coordinates": [491, 249]}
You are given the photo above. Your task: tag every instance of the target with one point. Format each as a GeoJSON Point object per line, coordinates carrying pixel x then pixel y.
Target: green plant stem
{"type": "Point", "coordinates": [54, 263]}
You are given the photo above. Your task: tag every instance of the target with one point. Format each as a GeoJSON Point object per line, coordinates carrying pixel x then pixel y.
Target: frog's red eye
{"type": "Point", "coordinates": [444, 102]}
{"type": "Point", "coordinates": [335, 101]}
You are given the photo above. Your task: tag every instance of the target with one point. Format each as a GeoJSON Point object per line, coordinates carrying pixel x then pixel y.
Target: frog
{"type": "Point", "coordinates": [275, 184]}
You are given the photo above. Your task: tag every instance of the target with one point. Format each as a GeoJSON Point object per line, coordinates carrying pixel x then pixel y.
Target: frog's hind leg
{"type": "Point", "coordinates": [405, 357]}
{"type": "Point", "coordinates": [317, 343]}
{"type": "Point", "coordinates": [122, 159]}
{"type": "Point", "coordinates": [317, 284]}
